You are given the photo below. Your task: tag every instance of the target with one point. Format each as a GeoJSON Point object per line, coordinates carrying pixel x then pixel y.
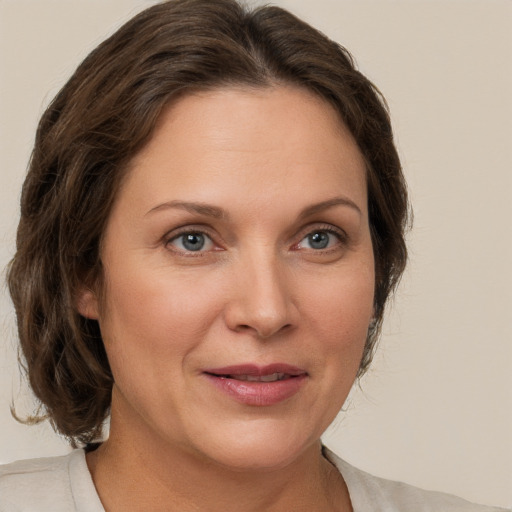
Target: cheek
{"type": "Point", "coordinates": [339, 311]}
{"type": "Point", "coordinates": [337, 314]}
{"type": "Point", "coordinates": [152, 315]}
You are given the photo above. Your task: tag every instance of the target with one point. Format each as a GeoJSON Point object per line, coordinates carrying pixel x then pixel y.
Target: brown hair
{"type": "Point", "coordinates": [106, 113]}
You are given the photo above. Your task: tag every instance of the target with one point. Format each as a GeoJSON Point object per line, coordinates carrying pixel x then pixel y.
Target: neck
{"type": "Point", "coordinates": [143, 476]}
{"type": "Point", "coordinates": [138, 470]}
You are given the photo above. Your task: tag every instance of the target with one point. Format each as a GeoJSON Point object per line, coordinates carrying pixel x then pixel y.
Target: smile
{"type": "Point", "coordinates": [273, 377]}
{"type": "Point", "coordinates": [257, 386]}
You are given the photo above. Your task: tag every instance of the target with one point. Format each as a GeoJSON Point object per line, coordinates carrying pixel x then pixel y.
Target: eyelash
{"type": "Point", "coordinates": [200, 230]}
{"type": "Point", "coordinates": [188, 230]}
{"type": "Point", "coordinates": [326, 228]}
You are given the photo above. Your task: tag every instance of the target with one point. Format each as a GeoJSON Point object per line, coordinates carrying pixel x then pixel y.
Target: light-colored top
{"type": "Point", "coordinates": [369, 493]}
{"type": "Point", "coordinates": [64, 484]}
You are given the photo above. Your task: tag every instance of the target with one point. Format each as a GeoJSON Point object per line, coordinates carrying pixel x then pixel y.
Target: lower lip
{"type": "Point", "coordinates": [258, 393]}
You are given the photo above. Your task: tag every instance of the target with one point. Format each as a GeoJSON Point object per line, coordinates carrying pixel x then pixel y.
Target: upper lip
{"type": "Point", "coordinates": [257, 371]}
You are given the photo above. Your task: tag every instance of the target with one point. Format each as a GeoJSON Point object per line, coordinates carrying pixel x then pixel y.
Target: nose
{"type": "Point", "coordinates": [261, 303]}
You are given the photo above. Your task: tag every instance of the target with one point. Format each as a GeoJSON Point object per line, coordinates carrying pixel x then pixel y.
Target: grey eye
{"type": "Point", "coordinates": [318, 240]}
{"type": "Point", "coordinates": [192, 242]}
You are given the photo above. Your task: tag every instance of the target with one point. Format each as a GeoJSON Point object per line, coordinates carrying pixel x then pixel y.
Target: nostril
{"type": "Point", "coordinates": [263, 332]}
{"type": "Point", "coordinates": [260, 315]}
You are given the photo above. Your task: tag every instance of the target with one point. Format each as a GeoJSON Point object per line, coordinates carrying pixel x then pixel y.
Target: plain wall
{"type": "Point", "coordinates": [435, 410]}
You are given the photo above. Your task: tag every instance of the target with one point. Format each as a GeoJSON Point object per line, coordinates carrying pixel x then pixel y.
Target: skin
{"type": "Point", "coordinates": [277, 165]}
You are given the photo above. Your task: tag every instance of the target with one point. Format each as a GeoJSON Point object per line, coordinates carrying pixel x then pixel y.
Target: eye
{"type": "Point", "coordinates": [192, 241]}
{"type": "Point", "coordinates": [320, 239]}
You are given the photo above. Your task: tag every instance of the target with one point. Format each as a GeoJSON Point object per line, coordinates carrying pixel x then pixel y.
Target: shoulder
{"type": "Point", "coordinates": [373, 494]}
{"type": "Point", "coordinates": [41, 483]}
{"type": "Point", "coordinates": [46, 484]}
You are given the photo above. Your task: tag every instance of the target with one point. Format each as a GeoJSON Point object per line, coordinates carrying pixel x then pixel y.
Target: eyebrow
{"type": "Point", "coordinates": [330, 203]}
{"type": "Point", "coordinates": [209, 210]}
{"type": "Point", "coordinates": [200, 208]}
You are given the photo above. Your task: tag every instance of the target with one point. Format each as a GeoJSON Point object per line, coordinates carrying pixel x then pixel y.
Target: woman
{"type": "Point", "coordinates": [211, 225]}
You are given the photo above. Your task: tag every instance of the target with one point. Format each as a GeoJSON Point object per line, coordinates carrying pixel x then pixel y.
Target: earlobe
{"type": "Point", "coordinates": [87, 304]}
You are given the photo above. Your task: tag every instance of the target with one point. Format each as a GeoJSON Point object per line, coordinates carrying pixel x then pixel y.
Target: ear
{"type": "Point", "coordinates": [87, 304]}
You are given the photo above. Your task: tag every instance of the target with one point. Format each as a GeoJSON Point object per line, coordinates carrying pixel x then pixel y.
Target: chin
{"type": "Point", "coordinates": [265, 447]}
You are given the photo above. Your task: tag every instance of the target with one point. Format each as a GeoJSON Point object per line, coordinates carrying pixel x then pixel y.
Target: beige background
{"type": "Point", "coordinates": [436, 408]}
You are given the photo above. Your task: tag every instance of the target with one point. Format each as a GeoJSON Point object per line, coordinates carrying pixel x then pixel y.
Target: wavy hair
{"type": "Point", "coordinates": [106, 113]}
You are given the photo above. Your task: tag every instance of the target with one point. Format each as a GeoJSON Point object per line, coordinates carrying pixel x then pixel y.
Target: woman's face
{"type": "Point", "coordinates": [239, 278]}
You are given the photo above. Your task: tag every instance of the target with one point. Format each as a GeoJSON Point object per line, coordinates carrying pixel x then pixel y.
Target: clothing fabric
{"type": "Point", "coordinates": [369, 493]}
{"type": "Point", "coordinates": [55, 484]}
{"type": "Point", "coordinates": [64, 484]}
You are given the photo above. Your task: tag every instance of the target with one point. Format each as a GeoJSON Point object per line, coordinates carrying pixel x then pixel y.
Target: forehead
{"type": "Point", "coordinates": [251, 142]}
{"type": "Point", "coordinates": [243, 115]}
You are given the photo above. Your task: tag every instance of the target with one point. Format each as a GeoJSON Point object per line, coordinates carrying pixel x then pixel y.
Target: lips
{"type": "Point", "coordinates": [273, 377]}
{"type": "Point", "coordinates": [258, 386]}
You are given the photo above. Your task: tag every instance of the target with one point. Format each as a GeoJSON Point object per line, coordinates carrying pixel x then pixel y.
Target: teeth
{"type": "Point", "coordinates": [273, 377]}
